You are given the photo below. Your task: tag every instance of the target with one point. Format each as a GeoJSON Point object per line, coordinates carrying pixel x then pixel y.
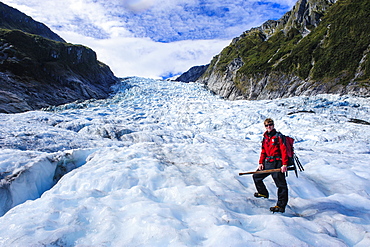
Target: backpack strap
{"type": "Point", "coordinates": [279, 134]}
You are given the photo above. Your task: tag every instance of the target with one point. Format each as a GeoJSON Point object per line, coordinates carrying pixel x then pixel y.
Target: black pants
{"type": "Point", "coordinates": [280, 182]}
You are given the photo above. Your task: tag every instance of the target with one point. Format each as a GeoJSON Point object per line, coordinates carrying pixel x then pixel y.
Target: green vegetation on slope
{"type": "Point", "coordinates": [32, 55]}
{"type": "Point", "coordinates": [331, 52]}
{"type": "Point", "coordinates": [336, 47]}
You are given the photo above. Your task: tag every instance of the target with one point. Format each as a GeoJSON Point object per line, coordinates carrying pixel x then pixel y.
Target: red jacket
{"type": "Point", "coordinates": [273, 147]}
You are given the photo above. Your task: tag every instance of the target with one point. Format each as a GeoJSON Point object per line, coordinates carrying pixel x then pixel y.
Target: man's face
{"type": "Point", "coordinates": [269, 127]}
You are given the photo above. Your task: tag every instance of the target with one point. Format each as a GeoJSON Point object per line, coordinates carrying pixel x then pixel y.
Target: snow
{"type": "Point", "coordinates": [157, 165]}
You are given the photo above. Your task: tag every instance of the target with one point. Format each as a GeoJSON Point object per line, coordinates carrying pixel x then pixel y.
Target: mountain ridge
{"type": "Point", "coordinates": [12, 18]}
{"type": "Point", "coordinates": [302, 53]}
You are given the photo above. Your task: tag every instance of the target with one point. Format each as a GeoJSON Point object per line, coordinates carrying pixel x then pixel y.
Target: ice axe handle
{"type": "Point", "coordinates": [263, 171]}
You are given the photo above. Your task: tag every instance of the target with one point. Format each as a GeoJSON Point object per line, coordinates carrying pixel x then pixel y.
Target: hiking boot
{"type": "Point", "coordinates": [260, 195]}
{"type": "Point", "coordinates": [277, 209]}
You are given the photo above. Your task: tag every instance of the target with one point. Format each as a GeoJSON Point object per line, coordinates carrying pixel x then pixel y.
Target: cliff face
{"type": "Point", "coordinates": [38, 71]}
{"type": "Point", "coordinates": [320, 46]}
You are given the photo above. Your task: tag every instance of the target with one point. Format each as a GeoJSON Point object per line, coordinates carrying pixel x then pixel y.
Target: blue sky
{"type": "Point", "coordinates": [152, 38]}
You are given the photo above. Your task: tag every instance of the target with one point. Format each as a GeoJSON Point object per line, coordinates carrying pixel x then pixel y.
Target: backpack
{"type": "Point", "coordinates": [293, 161]}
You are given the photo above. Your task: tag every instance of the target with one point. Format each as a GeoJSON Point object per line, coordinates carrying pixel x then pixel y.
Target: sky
{"type": "Point", "coordinates": [152, 38]}
{"type": "Point", "coordinates": [157, 165]}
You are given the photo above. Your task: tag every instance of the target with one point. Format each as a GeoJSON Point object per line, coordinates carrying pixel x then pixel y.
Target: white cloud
{"type": "Point", "coordinates": [146, 58]}
{"type": "Point", "coordinates": [138, 5]}
{"type": "Point", "coordinates": [160, 20]}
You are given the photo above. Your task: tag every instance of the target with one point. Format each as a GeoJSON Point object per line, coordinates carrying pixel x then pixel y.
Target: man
{"type": "Point", "coordinates": [273, 155]}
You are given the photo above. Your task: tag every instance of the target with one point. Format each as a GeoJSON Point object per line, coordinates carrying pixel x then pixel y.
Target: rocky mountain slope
{"type": "Point", "coordinates": [39, 69]}
{"type": "Point", "coordinates": [320, 46]}
{"type": "Point", "coordinates": [192, 74]}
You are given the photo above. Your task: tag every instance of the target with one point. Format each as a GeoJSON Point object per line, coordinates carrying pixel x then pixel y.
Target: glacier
{"type": "Point", "coordinates": [157, 164]}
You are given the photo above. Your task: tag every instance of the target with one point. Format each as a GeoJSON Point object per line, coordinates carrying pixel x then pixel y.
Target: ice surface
{"type": "Point", "coordinates": [158, 163]}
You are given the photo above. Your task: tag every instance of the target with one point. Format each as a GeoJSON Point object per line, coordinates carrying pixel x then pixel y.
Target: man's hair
{"type": "Point", "coordinates": [268, 121]}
